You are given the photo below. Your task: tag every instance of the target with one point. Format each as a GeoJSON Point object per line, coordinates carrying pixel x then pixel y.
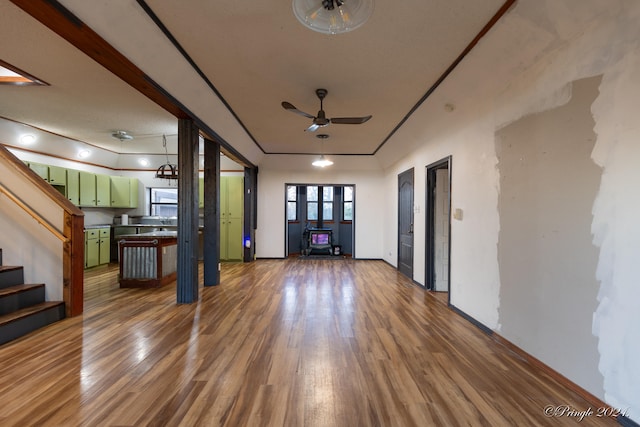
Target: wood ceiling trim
{"type": "Point", "coordinates": [499, 14]}
{"type": "Point", "coordinates": [62, 22]}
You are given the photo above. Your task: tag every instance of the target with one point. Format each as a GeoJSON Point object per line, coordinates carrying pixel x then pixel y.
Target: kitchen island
{"type": "Point", "coordinates": [148, 260]}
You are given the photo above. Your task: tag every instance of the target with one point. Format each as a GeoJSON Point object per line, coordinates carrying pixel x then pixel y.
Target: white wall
{"type": "Point", "coordinates": [525, 65]}
{"type": "Point", "coordinates": [270, 234]}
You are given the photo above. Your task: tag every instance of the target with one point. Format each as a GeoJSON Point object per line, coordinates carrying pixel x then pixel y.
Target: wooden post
{"type": "Point", "coordinates": [211, 236]}
{"type": "Point", "coordinates": [187, 286]}
{"type": "Point", "coordinates": [250, 212]}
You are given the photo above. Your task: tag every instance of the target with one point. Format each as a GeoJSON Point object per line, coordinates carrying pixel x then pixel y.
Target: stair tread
{"type": "Point", "coordinates": [9, 267]}
{"type": "Point", "coordinates": [19, 288]}
{"type": "Point", "coordinates": [8, 318]}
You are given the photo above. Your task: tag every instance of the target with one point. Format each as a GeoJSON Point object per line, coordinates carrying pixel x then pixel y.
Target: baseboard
{"type": "Point", "coordinates": [476, 323]}
{"type": "Point", "coordinates": [541, 366]}
{"type": "Point", "coordinates": [626, 422]}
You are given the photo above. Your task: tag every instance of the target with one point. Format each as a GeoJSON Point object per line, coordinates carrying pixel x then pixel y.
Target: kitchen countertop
{"type": "Point", "coordinates": [151, 235]}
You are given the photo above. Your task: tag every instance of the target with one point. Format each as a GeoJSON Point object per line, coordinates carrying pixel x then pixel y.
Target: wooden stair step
{"type": "Point", "coordinates": [27, 311]}
{"type": "Point", "coordinates": [24, 321]}
{"type": "Point", "coordinates": [16, 289]}
{"type": "Point", "coordinates": [11, 275]}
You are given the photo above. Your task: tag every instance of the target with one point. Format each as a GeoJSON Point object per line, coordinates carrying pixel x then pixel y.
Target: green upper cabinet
{"type": "Point", "coordinates": [42, 170]}
{"type": "Point", "coordinates": [133, 199]}
{"type": "Point", "coordinates": [120, 192]}
{"type": "Point", "coordinates": [57, 175]}
{"type": "Point", "coordinates": [103, 190]}
{"type": "Point", "coordinates": [234, 196]}
{"type": "Point", "coordinates": [87, 189]}
{"type": "Point", "coordinates": [73, 186]}
{"type": "Point", "coordinates": [124, 192]}
{"type": "Point", "coordinates": [201, 193]}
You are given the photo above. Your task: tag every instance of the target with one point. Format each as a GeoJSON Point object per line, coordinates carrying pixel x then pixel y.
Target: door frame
{"type": "Point", "coordinates": [430, 249]}
{"type": "Point", "coordinates": [286, 221]}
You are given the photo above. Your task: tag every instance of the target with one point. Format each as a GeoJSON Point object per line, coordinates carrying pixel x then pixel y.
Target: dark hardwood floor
{"type": "Point", "coordinates": [279, 343]}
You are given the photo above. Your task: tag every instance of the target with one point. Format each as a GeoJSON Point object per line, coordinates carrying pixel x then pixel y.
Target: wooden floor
{"type": "Point", "coordinates": [278, 343]}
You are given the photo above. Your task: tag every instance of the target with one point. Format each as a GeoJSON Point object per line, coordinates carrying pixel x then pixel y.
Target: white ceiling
{"type": "Point", "coordinates": [254, 54]}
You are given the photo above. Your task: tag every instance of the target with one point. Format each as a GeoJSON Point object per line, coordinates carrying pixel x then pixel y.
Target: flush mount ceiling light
{"type": "Point", "coordinates": [122, 135]}
{"type": "Point", "coordinates": [27, 139]}
{"type": "Point", "coordinates": [332, 16]}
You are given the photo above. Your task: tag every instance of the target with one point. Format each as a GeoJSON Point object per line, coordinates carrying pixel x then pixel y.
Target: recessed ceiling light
{"type": "Point", "coordinates": [83, 154]}
{"type": "Point", "coordinates": [143, 162]}
{"type": "Point", "coordinates": [27, 139]}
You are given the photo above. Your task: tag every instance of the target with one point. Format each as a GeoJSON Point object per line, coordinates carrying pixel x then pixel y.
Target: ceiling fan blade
{"type": "Point", "coordinates": [288, 106]}
{"type": "Point", "coordinates": [350, 120]}
{"type": "Point", "coordinates": [314, 127]}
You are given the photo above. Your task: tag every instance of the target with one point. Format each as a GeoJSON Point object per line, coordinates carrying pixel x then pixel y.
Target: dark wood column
{"type": "Point", "coordinates": [187, 287]}
{"type": "Point", "coordinates": [250, 212]}
{"type": "Point", "coordinates": [211, 246]}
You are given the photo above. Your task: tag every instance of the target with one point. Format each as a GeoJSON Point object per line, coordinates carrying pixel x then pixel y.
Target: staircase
{"type": "Point", "coordinates": [22, 306]}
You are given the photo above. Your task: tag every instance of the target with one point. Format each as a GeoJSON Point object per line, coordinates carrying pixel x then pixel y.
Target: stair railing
{"type": "Point", "coordinates": [71, 236]}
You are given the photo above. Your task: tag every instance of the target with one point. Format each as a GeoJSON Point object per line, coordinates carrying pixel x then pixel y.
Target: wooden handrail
{"type": "Point", "coordinates": [72, 234]}
{"type": "Point", "coordinates": [46, 224]}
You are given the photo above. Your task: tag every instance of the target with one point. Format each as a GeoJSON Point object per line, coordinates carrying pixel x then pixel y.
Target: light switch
{"type": "Point", "coordinates": [457, 214]}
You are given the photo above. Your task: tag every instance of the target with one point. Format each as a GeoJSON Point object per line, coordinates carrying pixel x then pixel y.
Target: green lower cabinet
{"type": "Point", "coordinates": [97, 246]}
{"type": "Point", "coordinates": [231, 248]}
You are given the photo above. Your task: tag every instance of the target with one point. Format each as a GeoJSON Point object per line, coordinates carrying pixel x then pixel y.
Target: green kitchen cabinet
{"type": "Point", "coordinates": [201, 193]}
{"type": "Point", "coordinates": [120, 192]}
{"type": "Point", "coordinates": [103, 190]}
{"type": "Point", "coordinates": [87, 188]}
{"type": "Point", "coordinates": [104, 245]}
{"type": "Point", "coordinates": [73, 186]}
{"type": "Point", "coordinates": [57, 176]}
{"type": "Point", "coordinates": [97, 246]}
{"type": "Point", "coordinates": [40, 169]}
{"type": "Point", "coordinates": [231, 218]}
{"type": "Point", "coordinates": [133, 190]}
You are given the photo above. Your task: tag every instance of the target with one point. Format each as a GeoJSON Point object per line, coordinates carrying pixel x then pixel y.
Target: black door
{"type": "Point", "coordinates": [405, 223]}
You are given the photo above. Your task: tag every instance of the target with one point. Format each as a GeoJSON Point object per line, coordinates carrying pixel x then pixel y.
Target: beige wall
{"type": "Point", "coordinates": [548, 184]}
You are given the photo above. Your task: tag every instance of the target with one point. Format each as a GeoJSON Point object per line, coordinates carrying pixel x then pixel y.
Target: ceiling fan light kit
{"type": "Point", "coordinates": [322, 162]}
{"type": "Point", "coordinates": [332, 16]}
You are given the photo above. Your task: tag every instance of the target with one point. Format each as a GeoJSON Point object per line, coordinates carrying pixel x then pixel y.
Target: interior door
{"type": "Point", "coordinates": [405, 223]}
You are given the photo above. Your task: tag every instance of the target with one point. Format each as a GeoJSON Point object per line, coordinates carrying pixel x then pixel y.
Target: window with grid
{"type": "Point", "coordinates": [312, 203]}
{"type": "Point", "coordinates": [163, 202]}
{"type": "Point", "coordinates": [347, 203]}
{"type": "Point", "coordinates": [292, 203]}
{"type": "Point", "coordinates": [327, 203]}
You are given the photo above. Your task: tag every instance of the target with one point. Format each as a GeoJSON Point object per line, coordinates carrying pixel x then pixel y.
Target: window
{"type": "Point", "coordinates": [327, 203]}
{"type": "Point", "coordinates": [164, 201]}
{"type": "Point", "coordinates": [312, 203]}
{"type": "Point", "coordinates": [292, 203]}
{"type": "Point", "coordinates": [347, 204]}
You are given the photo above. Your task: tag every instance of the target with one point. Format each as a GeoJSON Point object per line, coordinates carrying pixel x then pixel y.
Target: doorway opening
{"type": "Point", "coordinates": [438, 228]}
{"type": "Point", "coordinates": [320, 220]}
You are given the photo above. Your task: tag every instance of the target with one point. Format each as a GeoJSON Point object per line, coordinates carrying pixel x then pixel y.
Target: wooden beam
{"type": "Point", "coordinates": [211, 248]}
{"type": "Point", "coordinates": [187, 288]}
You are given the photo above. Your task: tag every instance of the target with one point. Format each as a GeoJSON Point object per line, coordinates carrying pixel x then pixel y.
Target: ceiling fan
{"type": "Point", "coordinates": [321, 119]}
